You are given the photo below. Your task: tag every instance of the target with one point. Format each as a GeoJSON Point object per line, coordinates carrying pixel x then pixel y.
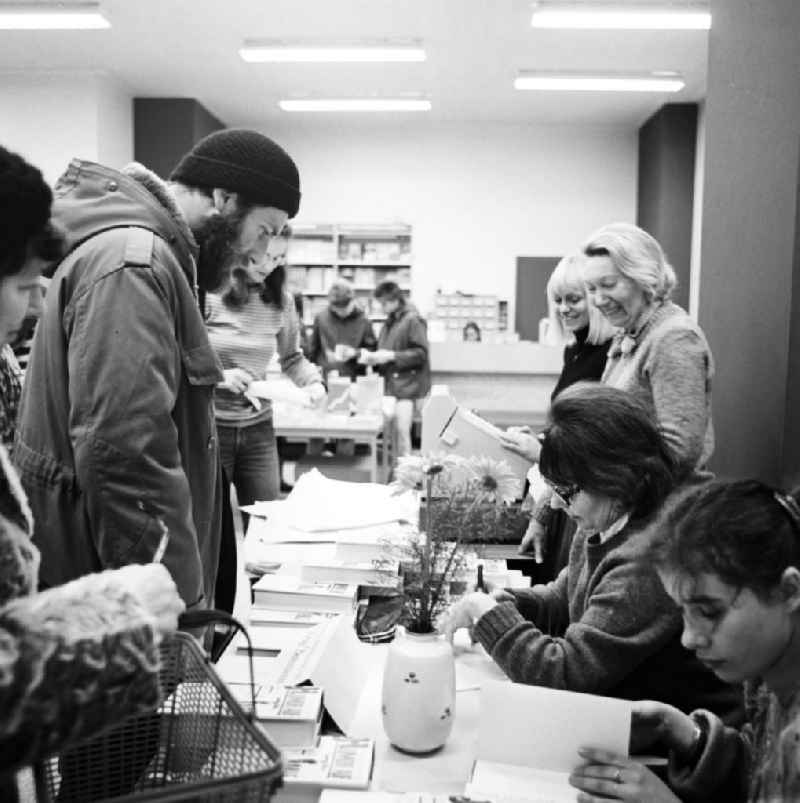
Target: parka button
{"type": "Point", "coordinates": [210, 444]}
{"type": "Point", "coordinates": [112, 186]}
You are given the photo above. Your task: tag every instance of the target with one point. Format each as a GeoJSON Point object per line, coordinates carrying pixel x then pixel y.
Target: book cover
{"type": "Point", "coordinates": [336, 762]}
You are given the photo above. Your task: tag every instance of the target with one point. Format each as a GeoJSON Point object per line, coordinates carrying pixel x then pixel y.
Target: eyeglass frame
{"type": "Point", "coordinates": [564, 493]}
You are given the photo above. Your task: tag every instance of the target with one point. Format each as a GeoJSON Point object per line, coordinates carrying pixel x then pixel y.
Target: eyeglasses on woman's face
{"type": "Point", "coordinates": [564, 493]}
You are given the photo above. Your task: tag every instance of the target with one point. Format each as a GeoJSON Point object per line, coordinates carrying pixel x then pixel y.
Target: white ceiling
{"type": "Point", "coordinates": [188, 48]}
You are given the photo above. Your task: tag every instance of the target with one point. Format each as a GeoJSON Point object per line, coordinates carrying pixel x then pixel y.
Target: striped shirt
{"type": "Point", "coordinates": [247, 337]}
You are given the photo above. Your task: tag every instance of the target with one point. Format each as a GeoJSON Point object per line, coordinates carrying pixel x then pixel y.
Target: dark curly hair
{"type": "Point", "coordinates": [25, 200]}
{"type": "Point", "coordinates": [744, 531]}
{"type": "Point", "coordinates": [604, 440]}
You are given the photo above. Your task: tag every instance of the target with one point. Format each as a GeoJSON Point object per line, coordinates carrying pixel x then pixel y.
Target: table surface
{"type": "Point", "coordinates": [445, 771]}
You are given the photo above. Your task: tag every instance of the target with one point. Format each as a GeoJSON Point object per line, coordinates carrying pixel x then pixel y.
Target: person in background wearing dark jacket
{"type": "Point", "coordinates": [116, 437]}
{"type": "Point", "coordinates": [402, 358]}
{"type": "Point", "coordinates": [340, 332]}
{"type": "Point", "coordinates": [605, 625]}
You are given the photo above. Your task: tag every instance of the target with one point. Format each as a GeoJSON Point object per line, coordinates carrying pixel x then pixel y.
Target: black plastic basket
{"type": "Point", "coordinates": [199, 745]}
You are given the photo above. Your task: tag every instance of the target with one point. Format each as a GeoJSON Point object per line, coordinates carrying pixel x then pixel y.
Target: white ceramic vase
{"type": "Point", "coordinates": [419, 691]}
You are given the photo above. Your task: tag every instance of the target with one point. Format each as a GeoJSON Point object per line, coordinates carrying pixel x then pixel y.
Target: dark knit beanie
{"type": "Point", "coordinates": [243, 161]}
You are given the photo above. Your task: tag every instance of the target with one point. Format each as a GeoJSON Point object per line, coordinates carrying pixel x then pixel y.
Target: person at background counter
{"type": "Point", "coordinates": [402, 357]}
{"type": "Point", "coordinates": [471, 332]}
{"type": "Point", "coordinates": [729, 555]}
{"type": "Point", "coordinates": [605, 625]}
{"type": "Point", "coordinates": [340, 332]}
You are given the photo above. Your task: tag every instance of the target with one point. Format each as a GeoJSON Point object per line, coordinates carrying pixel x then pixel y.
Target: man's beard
{"type": "Point", "coordinates": [217, 238]}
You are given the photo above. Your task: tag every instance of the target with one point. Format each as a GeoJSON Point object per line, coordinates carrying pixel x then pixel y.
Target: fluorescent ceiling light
{"type": "Point", "coordinates": [357, 105]}
{"type": "Point", "coordinates": [600, 83]}
{"type": "Point", "coordinates": [54, 17]}
{"type": "Point", "coordinates": [683, 17]}
{"type": "Point", "coordinates": [282, 53]}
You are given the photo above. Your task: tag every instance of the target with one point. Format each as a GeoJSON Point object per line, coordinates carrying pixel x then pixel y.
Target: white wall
{"type": "Point", "coordinates": [476, 195]}
{"type": "Point", "coordinates": [114, 122]}
{"type": "Point", "coordinates": [51, 117]}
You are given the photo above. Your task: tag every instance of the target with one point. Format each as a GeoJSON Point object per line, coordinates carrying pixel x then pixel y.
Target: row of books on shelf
{"type": "Point", "coordinates": [318, 278]}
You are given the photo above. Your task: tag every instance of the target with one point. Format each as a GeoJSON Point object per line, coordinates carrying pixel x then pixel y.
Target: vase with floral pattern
{"type": "Point", "coordinates": [419, 691]}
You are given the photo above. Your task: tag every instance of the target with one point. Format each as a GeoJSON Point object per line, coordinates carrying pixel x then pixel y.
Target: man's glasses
{"type": "Point", "coordinates": [564, 493]}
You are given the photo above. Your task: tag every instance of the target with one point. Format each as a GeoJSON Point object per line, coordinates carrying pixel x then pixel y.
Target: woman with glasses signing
{"type": "Point", "coordinates": [605, 625]}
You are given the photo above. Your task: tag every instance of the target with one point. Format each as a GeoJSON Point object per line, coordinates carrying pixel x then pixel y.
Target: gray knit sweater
{"type": "Point", "coordinates": [605, 625]}
{"type": "Point", "coordinates": [669, 368]}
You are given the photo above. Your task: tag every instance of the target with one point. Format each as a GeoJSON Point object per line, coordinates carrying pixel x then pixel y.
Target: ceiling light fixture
{"type": "Point", "coordinates": [356, 105]}
{"type": "Point", "coordinates": [343, 52]}
{"type": "Point", "coordinates": [52, 17]}
{"type": "Point", "coordinates": [564, 82]}
{"type": "Point", "coordinates": [675, 16]}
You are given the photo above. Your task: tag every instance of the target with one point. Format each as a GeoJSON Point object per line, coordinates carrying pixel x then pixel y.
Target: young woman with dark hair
{"type": "Point", "coordinates": [604, 625]}
{"type": "Point", "coordinates": [729, 554]}
{"type": "Point", "coordinates": [253, 319]}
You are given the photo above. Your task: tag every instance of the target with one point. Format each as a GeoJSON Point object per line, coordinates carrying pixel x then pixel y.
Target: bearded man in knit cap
{"type": "Point", "coordinates": [116, 442]}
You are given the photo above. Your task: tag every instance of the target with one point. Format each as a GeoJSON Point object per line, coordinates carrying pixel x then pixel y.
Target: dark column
{"type": "Point", "coordinates": [667, 144]}
{"type": "Point", "coordinates": [748, 301]}
{"type": "Point", "coordinates": [166, 128]}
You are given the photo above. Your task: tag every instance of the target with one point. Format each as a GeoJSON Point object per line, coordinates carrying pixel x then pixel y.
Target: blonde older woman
{"type": "Point", "coordinates": [660, 354]}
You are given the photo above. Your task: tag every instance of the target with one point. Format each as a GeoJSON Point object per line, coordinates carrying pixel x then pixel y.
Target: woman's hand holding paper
{"type": "Point", "coordinates": [522, 443]}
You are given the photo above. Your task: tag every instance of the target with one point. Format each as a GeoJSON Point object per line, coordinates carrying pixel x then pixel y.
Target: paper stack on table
{"type": "Point", "coordinates": [319, 504]}
{"type": "Point", "coordinates": [362, 520]}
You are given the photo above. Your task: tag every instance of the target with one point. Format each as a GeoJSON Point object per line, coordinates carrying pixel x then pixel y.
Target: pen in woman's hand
{"type": "Point", "coordinates": [481, 584]}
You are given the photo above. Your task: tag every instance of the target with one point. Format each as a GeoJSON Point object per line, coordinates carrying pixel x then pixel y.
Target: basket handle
{"type": "Point", "coordinates": [203, 618]}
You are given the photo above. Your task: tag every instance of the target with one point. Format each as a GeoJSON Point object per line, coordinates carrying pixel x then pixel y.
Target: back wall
{"type": "Point", "coordinates": [477, 195]}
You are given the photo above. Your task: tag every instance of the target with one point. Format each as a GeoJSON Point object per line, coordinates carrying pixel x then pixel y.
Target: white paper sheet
{"type": "Point", "coordinates": [544, 728]}
{"type": "Point", "coordinates": [317, 504]}
{"type": "Point", "coordinates": [278, 390]}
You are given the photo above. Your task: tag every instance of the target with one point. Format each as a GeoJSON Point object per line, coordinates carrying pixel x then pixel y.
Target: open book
{"type": "Point", "coordinates": [530, 736]}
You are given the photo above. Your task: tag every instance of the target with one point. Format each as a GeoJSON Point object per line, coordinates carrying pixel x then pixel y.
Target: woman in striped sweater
{"type": "Point", "coordinates": [251, 321]}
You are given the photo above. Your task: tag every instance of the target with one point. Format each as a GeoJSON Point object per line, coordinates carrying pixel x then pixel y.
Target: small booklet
{"type": "Point", "coordinates": [290, 715]}
{"type": "Point", "coordinates": [337, 762]}
{"type": "Point", "coordinates": [292, 593]}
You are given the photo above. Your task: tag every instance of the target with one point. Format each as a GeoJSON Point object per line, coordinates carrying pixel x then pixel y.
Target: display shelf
{"type": "Point", "coordinates": [365, 255]}
{"type": "Point", "coordinates": [455, 310]}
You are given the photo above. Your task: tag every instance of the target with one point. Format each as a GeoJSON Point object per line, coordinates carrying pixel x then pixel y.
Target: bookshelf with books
{"type": "Point", "coordinates": [364, 254]}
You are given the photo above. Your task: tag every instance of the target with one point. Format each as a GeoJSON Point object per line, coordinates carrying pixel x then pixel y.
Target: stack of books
{"type": "Point", "coordinates": [291, 715]}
